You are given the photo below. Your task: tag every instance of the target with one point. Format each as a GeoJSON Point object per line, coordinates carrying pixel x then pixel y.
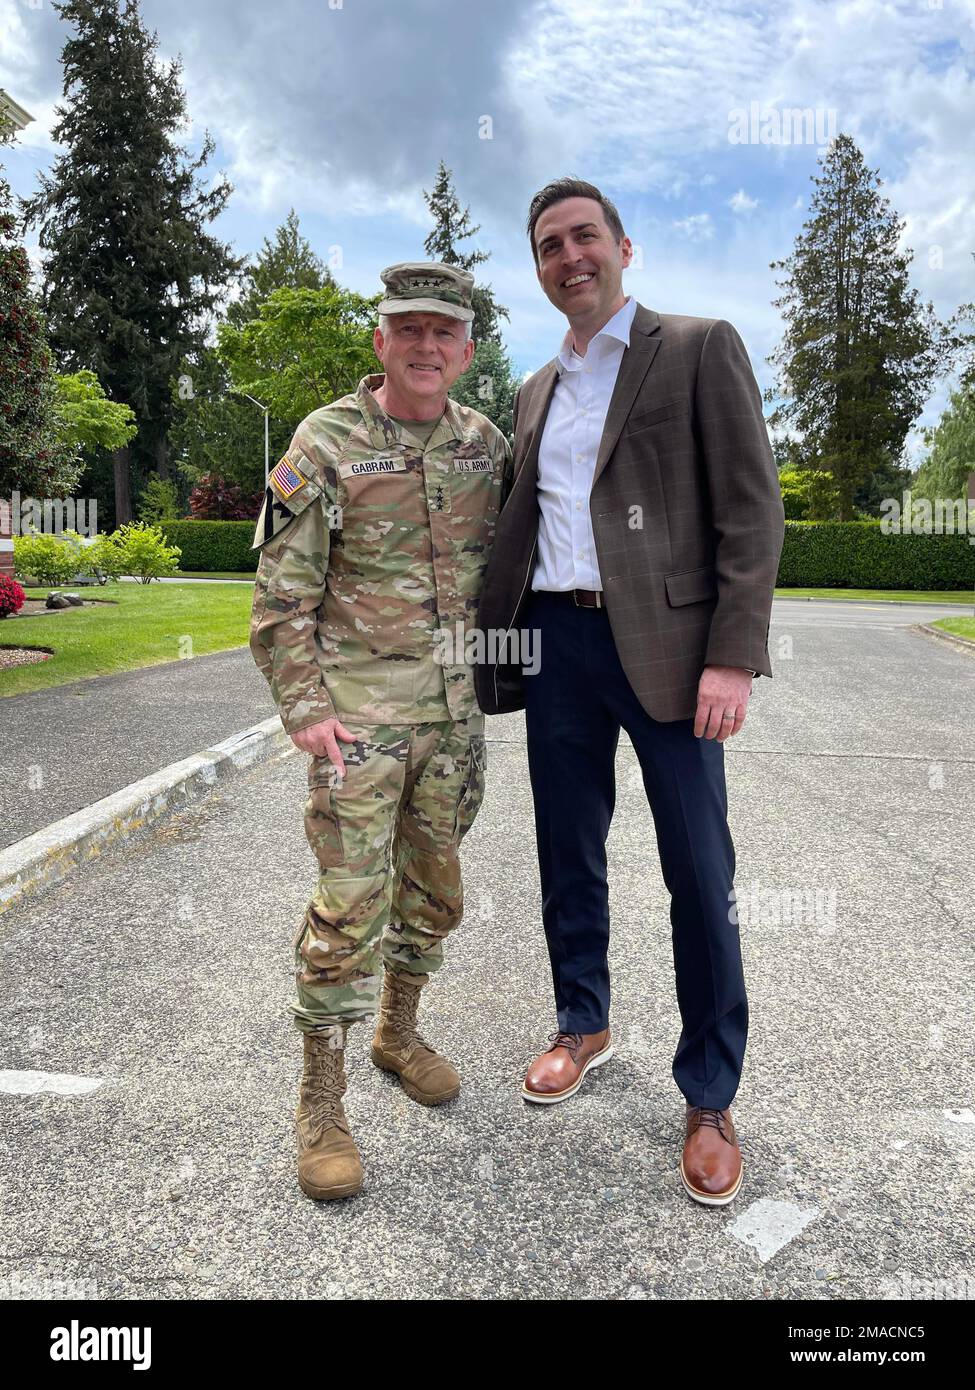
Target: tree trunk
{"type": "Point", "coordinates": [123, 492]}
{"type": "Point", "coordinates": [162, 457]}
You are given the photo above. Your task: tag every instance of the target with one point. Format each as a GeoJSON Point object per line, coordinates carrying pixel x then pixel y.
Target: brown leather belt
{"type": "Point", "coordinates": [582, 598]}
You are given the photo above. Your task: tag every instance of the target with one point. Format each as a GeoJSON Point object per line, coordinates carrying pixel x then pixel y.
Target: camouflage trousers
{"type": "Point", "coordinates": [386, 838]}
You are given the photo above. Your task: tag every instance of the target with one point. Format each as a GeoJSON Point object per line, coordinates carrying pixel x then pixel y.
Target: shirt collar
{"type": "Point", "coordinates": [618, 328]}
{"type": "Point", "coordinates": [385, 431]}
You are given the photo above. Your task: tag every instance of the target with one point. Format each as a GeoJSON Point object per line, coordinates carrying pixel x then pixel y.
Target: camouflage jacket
{"type": "Point", "coordinates": [373, 550]}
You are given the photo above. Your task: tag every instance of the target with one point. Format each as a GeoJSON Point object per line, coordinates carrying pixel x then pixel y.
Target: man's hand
{"type": "Point", "coordinates": [722, 699]}
{"type": "Point", "coordinates": [320, 740]}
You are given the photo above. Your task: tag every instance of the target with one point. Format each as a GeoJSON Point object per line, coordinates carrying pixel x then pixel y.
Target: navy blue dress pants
{"type": "Point", "coordinates": [576, 703]}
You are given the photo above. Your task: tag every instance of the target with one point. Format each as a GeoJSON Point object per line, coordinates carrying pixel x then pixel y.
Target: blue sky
{"type": "Point", "coordinates": [343, 108]}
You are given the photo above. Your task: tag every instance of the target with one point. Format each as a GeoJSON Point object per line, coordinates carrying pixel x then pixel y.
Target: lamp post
{"type": "Point", "coordinates": [266, 409]}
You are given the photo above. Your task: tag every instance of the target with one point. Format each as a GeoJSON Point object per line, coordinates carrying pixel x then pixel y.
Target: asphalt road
{"type": "Point", "coordinates": [68, 746]}
{"type": "Point", "coordinates": [163, 973]}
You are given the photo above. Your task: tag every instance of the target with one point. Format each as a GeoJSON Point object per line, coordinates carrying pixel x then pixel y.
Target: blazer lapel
{"type": "Point", "coordinates": [532, 422]}
{"type": "Point", "coordinates": [644, 342]}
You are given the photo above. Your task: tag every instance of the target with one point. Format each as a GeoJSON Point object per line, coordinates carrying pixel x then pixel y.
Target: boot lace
{"type": "Point", "coordinates": [402, 1015]}
{"type": "Point", "coordinates": [326, 1086]}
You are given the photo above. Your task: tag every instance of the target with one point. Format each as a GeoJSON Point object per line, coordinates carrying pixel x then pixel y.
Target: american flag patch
{"type": "Point", "coordinates": [285, 479]}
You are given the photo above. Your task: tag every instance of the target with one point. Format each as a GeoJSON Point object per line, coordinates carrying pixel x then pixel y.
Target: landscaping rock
{"type": "Point", "coordinates": [56, 600]}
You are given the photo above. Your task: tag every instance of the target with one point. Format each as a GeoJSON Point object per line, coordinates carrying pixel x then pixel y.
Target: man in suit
{"type": "Point", "coordinates": [640, 544]}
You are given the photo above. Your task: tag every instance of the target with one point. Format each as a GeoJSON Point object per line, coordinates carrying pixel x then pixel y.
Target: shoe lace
{"type": "Point", "coordinates": [707, 1115]}
{"type": "Point", "coordinates": [571, 1041]}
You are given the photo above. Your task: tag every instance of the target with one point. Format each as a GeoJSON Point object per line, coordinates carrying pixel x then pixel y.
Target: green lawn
{"type": "Point", "coordinates": [964, 596]}
{"type": "Point", "coordinates": [960, 627]}
{"type": "Point", "coordinates": [222, 574]}
{"type": "Point", "coordinates": [147, 624]}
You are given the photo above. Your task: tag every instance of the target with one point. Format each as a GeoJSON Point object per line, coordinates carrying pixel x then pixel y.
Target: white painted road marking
{"type": "Point", "coordinates": [768, 1225]}
{"type": "Point", "coordinates": [32, 1083]}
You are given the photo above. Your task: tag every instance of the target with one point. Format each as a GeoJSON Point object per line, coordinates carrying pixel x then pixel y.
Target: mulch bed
{"type": "Point", "coordinates": [22, 656]}
{"type": "Point", "coordinates": [35, 607]}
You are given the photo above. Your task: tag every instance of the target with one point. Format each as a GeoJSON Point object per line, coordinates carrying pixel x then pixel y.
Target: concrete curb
{"type": "Point", "coordinates": [51, 854]}
{"type": "Point", "coordinates": [887, 602]}
{"type": "Point", "coordinates": [952, 637]}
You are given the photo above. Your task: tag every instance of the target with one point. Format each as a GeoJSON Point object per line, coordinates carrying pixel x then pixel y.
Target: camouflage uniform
{"type": "Point", "coordinates": [373, 547]}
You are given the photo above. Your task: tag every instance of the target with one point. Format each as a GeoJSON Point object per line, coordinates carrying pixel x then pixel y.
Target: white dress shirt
{"type": "Point", "coordinates": [566, 556]}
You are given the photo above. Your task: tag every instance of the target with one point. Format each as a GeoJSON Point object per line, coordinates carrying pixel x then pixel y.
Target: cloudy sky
{"type": "Point", "coordinates": [342, 109]}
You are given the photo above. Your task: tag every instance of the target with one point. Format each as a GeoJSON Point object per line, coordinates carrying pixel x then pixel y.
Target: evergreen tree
{"type": "Point", "coordinates": [35, 457]}
{"type": "Point", "coordinates": [289, 263]}
{"type": "Point", "coordinates": [489, 385]}
{"type": "Point", "coordinates": [860, 353]}
{"type": "Point", "coordinates": [452, 224]}
{"type": "Point", "coordinates": [130, 276]}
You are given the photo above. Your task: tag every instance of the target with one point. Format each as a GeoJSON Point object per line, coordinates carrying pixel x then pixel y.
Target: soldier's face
{"type": "Point", "coordinates": [578, 263]}
{"type": "Point", "coordinates": [423, 354]}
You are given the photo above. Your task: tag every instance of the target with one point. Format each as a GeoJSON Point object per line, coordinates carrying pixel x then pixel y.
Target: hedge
{"type": "Point", "coordinates": [816, 554]}
{"type": "Point", "coordinates": [858, 555]}
{"type": "Point", "coordinates": [213, 546]}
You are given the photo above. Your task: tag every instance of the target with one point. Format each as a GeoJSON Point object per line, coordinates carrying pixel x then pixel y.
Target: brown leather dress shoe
{"type": "Point", "coordinates": [559, 1072]}
{"type": "Point", "coordinates": [710, 1167]}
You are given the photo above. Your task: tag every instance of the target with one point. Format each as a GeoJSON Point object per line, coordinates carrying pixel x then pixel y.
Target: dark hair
{"type": "Point", "coordinates": [560, 189]}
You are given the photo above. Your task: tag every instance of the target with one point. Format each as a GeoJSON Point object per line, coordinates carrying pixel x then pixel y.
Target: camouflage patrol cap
{"type": "Point", "coordinates": [428, 287]}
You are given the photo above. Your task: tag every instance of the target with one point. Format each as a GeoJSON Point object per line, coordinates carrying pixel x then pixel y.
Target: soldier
{"type": "Point", "coordinates": [374, 536]}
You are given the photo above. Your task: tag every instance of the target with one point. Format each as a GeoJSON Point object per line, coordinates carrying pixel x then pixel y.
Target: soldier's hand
{"type": "Point", "coordinates": [321, 740]}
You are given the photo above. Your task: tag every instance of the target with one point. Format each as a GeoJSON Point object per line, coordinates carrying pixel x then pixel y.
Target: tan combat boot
{"type": "Point", "coordinates": [398, 1047]}
{"type": "Point", "coordinates": [328, 1160]}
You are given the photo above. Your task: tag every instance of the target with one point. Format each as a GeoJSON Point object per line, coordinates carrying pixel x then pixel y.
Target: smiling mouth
{"type": "Point", "coordinates": [582, 279]}
{"type": "Point", "coordinates": [424, 367]}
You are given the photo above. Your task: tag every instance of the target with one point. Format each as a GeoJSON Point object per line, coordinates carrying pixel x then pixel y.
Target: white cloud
{"type": "Point", "coordinates": [697, 227]}
{"type": "Point", "coordinates": [740, 202]}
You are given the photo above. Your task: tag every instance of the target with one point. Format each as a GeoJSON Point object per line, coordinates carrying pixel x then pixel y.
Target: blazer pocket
{"type": "Point", "coordinates": [667, 411]}
{"type": "Point", "coordinates": [691, 586]}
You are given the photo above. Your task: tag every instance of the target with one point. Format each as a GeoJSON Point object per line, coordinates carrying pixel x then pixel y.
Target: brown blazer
{"type": "Point", "coordinates": [686, 512]}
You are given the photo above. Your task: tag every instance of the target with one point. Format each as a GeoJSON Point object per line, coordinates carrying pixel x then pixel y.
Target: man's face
{"type": "Point", "coordinates": [578, 264]}
{"type": "Point", "coordinates": [423, 354]}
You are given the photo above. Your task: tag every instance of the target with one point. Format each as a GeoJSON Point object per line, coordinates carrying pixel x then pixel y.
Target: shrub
{"type": "Point", "coordinates": [214, 499]}
{"type": "Point", "coordinates": [11, 596]}
{"type": "Point", "coordinates": [859, 555]}
{"type": "Point", "coordinates": [106, 557]}
{"type": "Point", "coordinates": [159, 500]}
{"type": "Point", "coordinates": [143, 552]}
{"type": "Point", "coordinates": [214, 546]}
{"type": "Point", "coordinates": [50, 559]}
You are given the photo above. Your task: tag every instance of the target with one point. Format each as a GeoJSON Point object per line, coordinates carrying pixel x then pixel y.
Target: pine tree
{"type": "Point", "coordinates": [860, 353]}
{"type": "Point", "coordinates": [451, 225]}
{"type": "Point", "coordinates": [489, 385]}
{"type": "Point", "coordinates": [289, 263]}
{"type": "Point", "coordinates": [35, 459]}
{"type": "Point", "coordinates": [130, 276]}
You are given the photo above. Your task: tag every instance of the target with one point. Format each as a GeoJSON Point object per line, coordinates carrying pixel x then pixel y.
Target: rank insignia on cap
{"type": "Point", "coordinates": [285, 479]}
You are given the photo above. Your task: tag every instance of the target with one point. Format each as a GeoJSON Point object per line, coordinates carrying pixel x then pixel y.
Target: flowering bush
{"type": "Point", "coordinates": [11, 596]}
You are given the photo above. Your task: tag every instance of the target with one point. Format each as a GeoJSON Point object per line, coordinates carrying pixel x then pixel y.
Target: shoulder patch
{"type": "Point", "coordinates": [290, 488]}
